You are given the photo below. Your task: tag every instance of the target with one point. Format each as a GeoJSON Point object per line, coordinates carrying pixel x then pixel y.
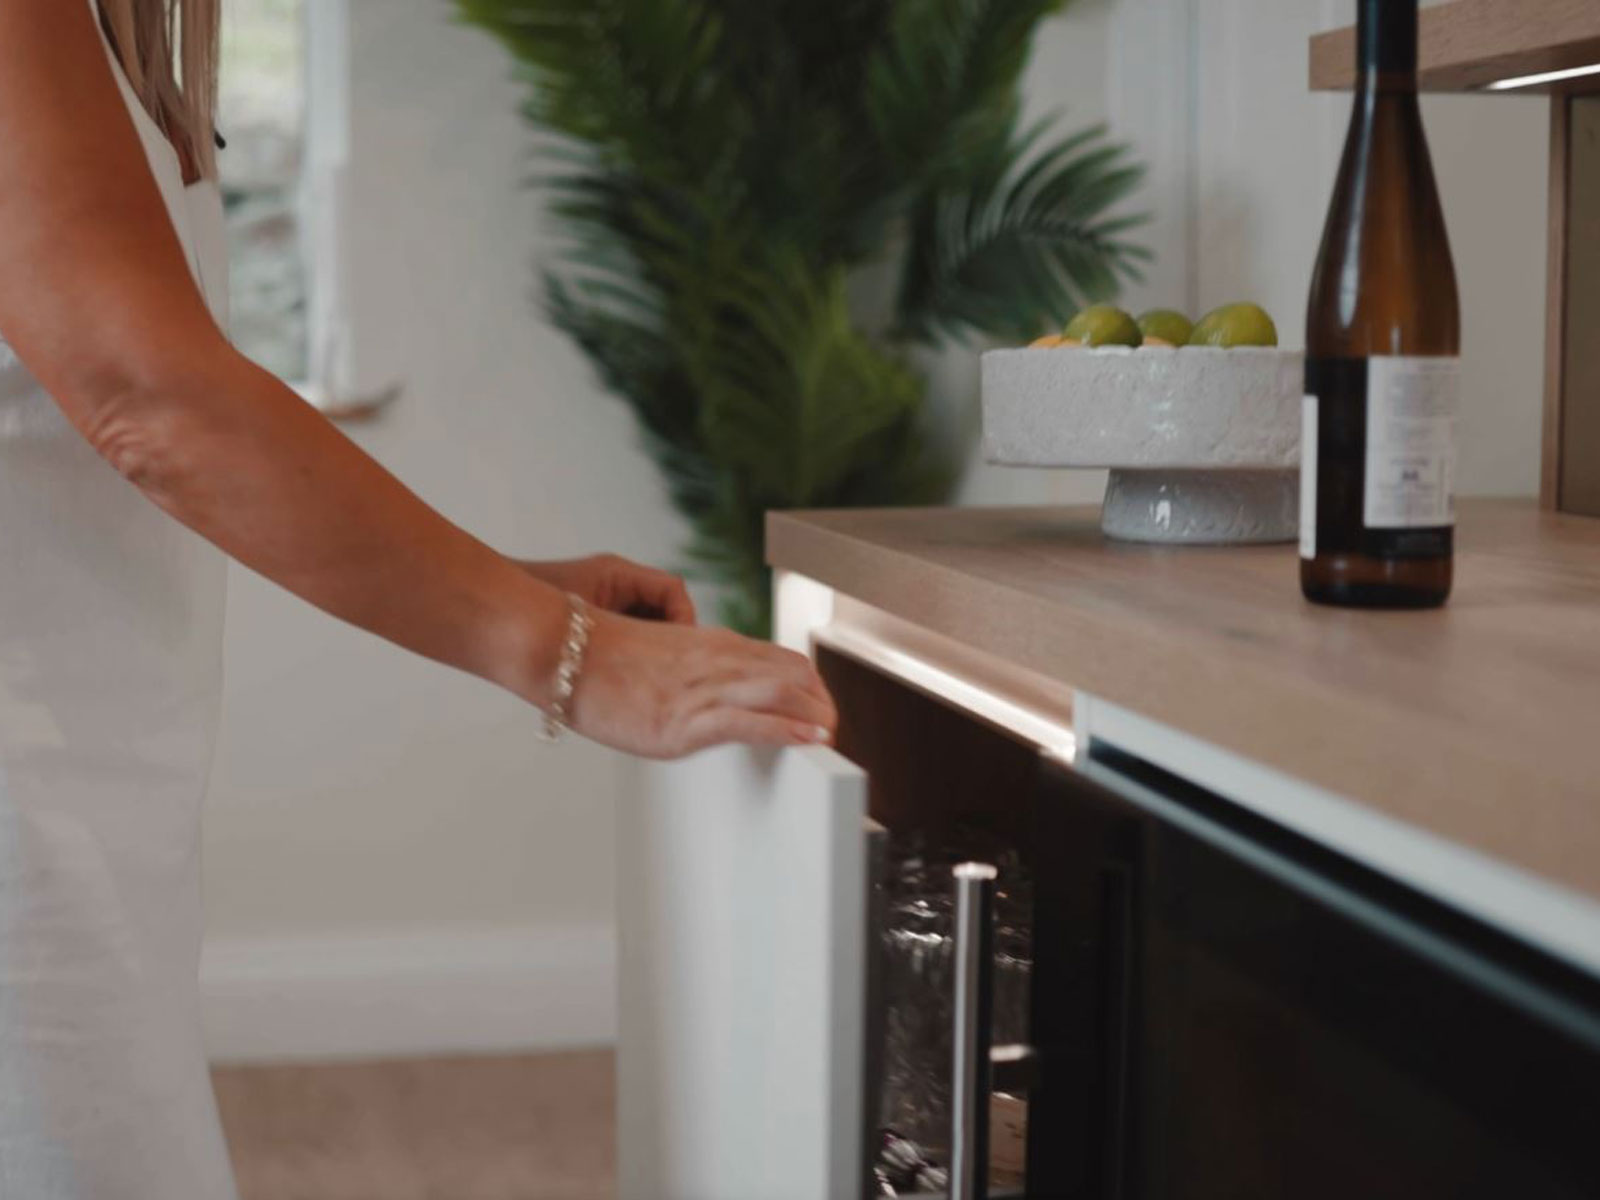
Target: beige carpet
{"type": "Point", "coordinates": [517, 1128]}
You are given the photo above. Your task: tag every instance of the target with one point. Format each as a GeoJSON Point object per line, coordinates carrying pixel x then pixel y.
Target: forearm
{"type": "Point", "coordinates": [97, 298]}
{"type": "Point", "coordinates": [235, 455]}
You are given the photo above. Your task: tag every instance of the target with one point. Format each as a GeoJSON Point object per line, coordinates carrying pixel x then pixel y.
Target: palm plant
{"type": "Point", "coordinates": [728, 175]}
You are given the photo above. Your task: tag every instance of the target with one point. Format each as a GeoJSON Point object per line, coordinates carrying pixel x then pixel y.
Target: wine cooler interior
{"type": "Point", "coordinates": [946, 790]}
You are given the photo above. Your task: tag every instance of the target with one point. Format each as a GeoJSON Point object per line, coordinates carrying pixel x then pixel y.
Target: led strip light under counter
{"type": "Point", "coordinates": [1031, 707]}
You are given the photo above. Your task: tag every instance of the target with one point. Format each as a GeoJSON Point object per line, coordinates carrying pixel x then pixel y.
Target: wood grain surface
{"type": "Point", "coordinates": [1479, 721]}
{"type": "Point", "coordinates": [1469, 43]}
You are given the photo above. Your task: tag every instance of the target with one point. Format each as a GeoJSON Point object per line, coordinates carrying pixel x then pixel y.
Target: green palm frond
{"type": "Point", "coordinates": [793, 391]}
{"type": "Point", "coordinates": [634, 78]}
{"type": "Point", "coordinates": [724, 176]}
{"type": "Point", "coordinates": [728, 548]}
{"type": "Point", "coordinates": [1027, 238]}
{"type": "Point", "coordinates": [944, 80]}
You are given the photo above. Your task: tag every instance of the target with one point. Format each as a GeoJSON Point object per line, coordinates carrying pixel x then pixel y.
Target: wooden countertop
{"type": "Point", "coordinates": [1479, 721]}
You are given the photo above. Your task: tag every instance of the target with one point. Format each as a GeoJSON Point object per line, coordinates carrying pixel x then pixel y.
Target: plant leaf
{"type": "Point", "coordinates": [760, 207]}
{"type": "Point", "coordinates": [1023, 240]}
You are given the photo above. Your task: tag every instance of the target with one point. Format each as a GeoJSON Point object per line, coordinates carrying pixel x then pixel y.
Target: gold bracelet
{"type": "Point", "coordinates": [558, 715]}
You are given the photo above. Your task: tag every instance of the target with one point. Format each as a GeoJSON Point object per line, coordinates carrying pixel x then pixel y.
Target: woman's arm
{"type": "Point", "coordinates": [96, 298]}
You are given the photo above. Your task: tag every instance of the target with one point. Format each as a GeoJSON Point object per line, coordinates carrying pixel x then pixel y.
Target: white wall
{"type": "Point", "coordinates": [1125, 63]}
{"type": "Point", "coordinates": [380, 828]}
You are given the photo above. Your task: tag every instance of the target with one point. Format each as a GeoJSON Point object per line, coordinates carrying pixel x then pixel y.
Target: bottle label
{"type": "Point", "coordinates": [1308, 476]}
{"type": "Point", "coordinates": [1377, 483]}
{"type": "Point", "coordinates": [1411, 438]}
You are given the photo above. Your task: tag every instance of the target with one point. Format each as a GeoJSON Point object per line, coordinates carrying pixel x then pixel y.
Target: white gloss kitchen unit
{"type": "Point", "coordinates": [1312, 895]}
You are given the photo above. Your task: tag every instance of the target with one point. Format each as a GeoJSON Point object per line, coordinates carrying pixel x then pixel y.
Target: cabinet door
{"type": "Point", "coordinates": [742, 902]}
{"type": "Point", "coordinates": [1085, 843]}
{"type": "Point", "coordinates": [1298, 1025]}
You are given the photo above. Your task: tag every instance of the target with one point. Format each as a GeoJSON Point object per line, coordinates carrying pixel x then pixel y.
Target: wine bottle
{"type": "Point", "coordinates": [1377, 515]}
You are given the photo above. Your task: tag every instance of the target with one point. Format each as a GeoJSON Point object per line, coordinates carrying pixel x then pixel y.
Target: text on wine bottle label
{"type": "Point", "coordinates": [1411, 440]}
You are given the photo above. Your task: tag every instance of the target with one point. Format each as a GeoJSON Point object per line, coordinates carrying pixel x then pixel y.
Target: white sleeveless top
{"type": "Point", "coordinates": [110, 657]}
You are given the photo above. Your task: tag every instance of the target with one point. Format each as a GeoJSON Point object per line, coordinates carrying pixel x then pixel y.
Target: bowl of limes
{"type": "Point", "coordinates": [1198, 423]}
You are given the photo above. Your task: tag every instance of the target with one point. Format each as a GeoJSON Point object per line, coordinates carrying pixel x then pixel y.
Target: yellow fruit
{"type": "Point", "coordinates": [1049, 342]}
{"type": "Point", "coordinates": [1103, 325]}
{"type": "Point", "coordinates": [1235, 325]}
{"type": "Point", "coordinates": [1164, 327]}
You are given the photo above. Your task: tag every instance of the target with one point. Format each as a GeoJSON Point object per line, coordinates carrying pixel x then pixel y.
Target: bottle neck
{"type": "Point", "coordinates": [1386, 46]}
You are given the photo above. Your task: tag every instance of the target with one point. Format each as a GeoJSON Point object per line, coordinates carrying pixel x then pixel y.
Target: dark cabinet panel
{"type": "Point", "coordinates": [1087, 845]}
{"type": "Point", "coordinates": [1227, 1011]}
{"type": "Point", "coordinates": [1223, 1010]}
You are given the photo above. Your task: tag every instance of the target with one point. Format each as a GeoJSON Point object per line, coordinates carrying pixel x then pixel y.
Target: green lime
{"type": "Point", "coordinates": [1103, 325]}
{"type": "Point", "coordinates": [1165, 325]}
{"type": "Point", "coordinates": [1235, 325]}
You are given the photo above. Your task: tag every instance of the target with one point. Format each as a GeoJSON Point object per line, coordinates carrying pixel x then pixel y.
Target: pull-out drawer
{"type": "Point", "coordinates": [743, 894]}
{"type": "Point", "coordinates": [1220, 1007]}
{"type": "Point", "coordinates": [751, 1025]}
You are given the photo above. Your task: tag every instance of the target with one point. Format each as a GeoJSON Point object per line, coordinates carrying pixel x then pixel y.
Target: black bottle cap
{"type": "Point", "coordinates": [1386, 37]}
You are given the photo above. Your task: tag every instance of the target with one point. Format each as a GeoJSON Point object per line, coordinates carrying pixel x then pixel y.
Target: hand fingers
{"type": "Point", "coordinates": [771, 656]}
{"type": "Point", "coordinates": [715, 726]}
{"type": "Point", "coordinates": [803, 672]}
{"type": "Point", "coordinates": [751, 660]}
{"type": "Point", "coordinates": [674, 599]}
{"type": "Point", "coordinates": [779, 697]}
{"type": "Point", "coordinates": [650, 594]}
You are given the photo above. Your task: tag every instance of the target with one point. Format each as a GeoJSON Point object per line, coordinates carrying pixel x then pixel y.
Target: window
{"type": "Point", "coordinates": [262, 115]}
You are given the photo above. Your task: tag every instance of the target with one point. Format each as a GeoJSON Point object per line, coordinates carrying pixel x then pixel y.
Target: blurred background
{"type": "Point", "coordinates": [396, 869]}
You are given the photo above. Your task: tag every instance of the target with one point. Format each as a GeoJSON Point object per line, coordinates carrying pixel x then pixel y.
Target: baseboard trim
{"type": "Point", "coordinates": [391, 995]}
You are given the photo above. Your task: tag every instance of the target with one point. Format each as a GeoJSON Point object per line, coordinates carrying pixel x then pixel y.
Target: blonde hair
{"type": "Point", "coordinates": [168, 49]}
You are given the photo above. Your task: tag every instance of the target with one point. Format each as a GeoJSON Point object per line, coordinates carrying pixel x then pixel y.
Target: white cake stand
{"type": "Point", "coordinates": [1203, 444]}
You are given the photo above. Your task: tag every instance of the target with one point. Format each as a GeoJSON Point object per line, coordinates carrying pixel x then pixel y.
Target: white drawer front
{"type": "Point", "coordinates": [742, 893]}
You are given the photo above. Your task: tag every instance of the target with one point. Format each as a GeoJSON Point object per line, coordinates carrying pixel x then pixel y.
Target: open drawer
{"type": "Point", "coordinates": [1218, 1006]}
{"type": "Point", "coordinates": [743, 893]}
{"type": "Point", "coordinates": [751, 904]}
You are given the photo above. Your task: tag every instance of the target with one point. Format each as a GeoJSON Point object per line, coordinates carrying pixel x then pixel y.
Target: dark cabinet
{"type": "Point", "coordinates": [1223, 1010]}
{"type": "Point", "coordinates": [1217, 1008]}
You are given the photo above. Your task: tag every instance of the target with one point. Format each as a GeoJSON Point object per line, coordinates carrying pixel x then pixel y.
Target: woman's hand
{"type": "Point", "coordinates": [654, 685]}
{"type": "Point", "coordinates": [663, 691]}
{"type": "Point", "coordinates": [615, 584]}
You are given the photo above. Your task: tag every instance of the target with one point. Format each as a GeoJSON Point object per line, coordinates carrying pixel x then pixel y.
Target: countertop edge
{"type": "Point", "coordinates": [1423, 771]}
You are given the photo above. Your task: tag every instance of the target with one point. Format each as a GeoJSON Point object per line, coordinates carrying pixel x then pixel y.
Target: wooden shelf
{"type": "Point", "coordinates": [1468, 44]}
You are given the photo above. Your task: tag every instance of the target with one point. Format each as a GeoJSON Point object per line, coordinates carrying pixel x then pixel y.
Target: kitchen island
{"type": "Point", "coordinates": [1317, 890]}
